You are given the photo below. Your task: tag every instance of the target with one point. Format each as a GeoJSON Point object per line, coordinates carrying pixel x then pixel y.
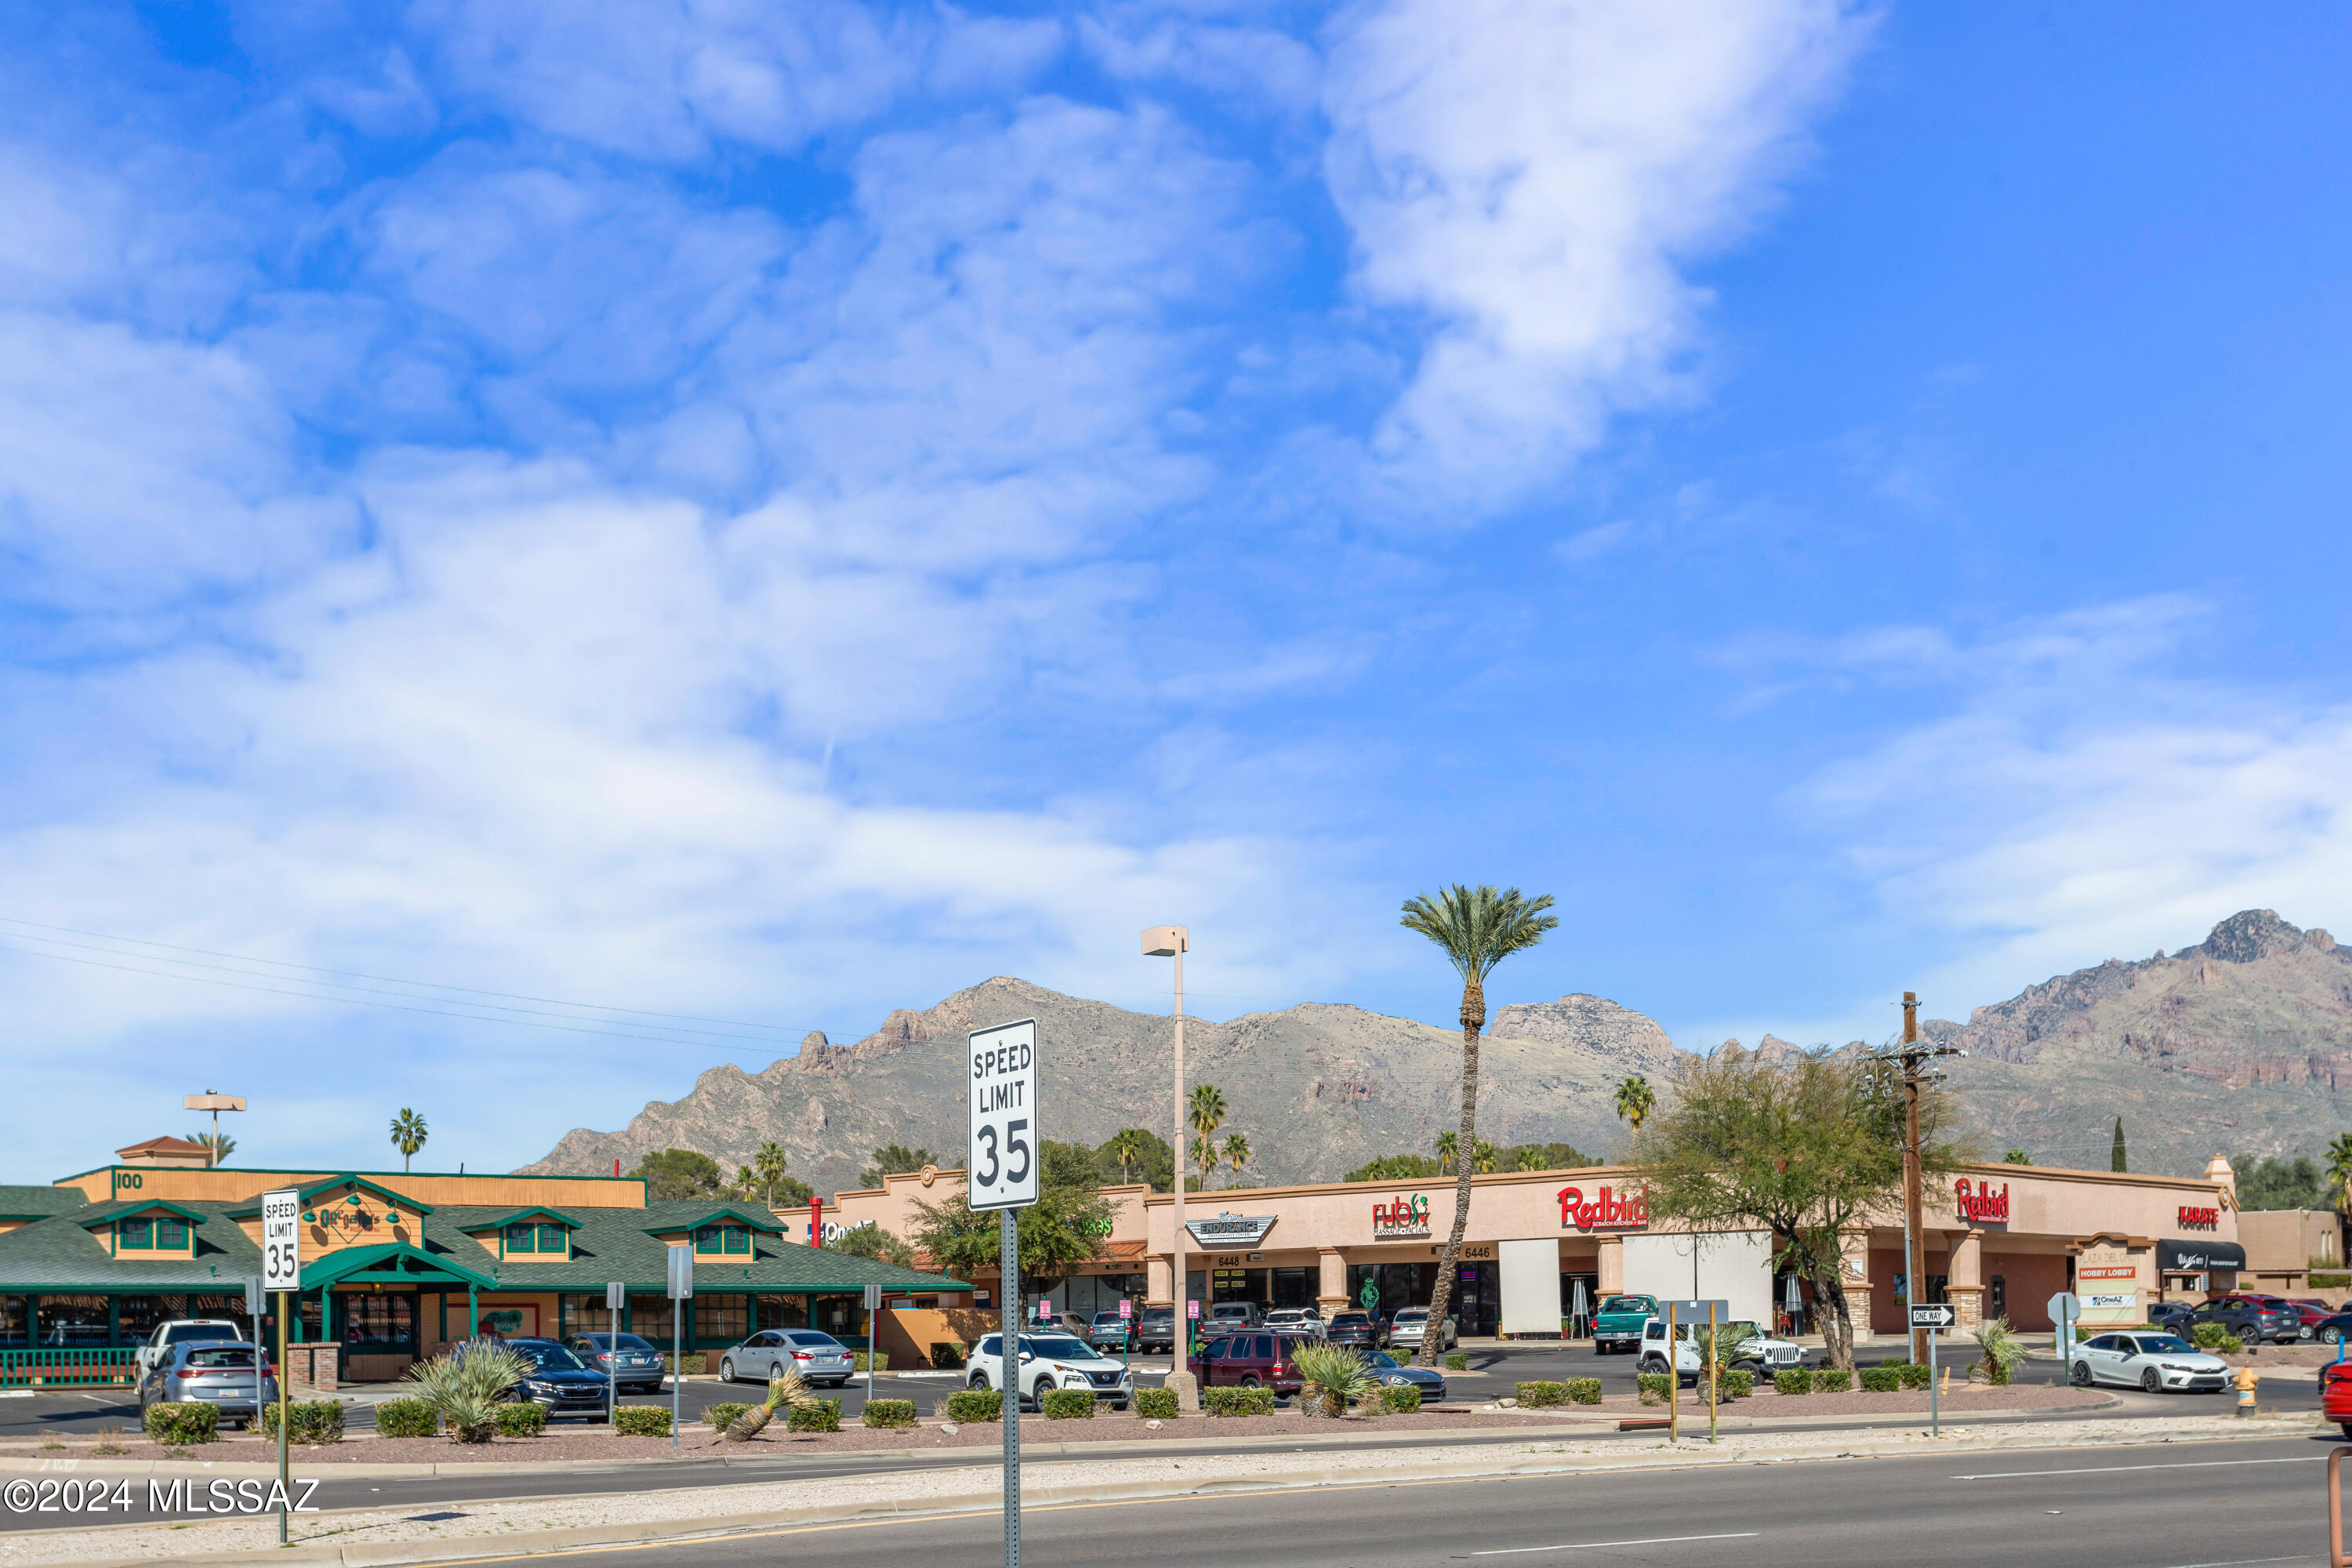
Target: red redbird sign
{"type": "Point", "coordinates": [1983, 1203]}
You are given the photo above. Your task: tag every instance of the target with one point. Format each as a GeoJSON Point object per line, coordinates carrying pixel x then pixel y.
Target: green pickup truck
{"type": "Point", "coordinates": [1618, 1325]}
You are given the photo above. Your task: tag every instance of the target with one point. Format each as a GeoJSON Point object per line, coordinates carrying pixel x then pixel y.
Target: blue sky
{"type": "Point", "coordinates": [773, 514]}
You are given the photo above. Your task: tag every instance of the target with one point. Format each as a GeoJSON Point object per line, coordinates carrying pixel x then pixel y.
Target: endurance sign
{"type": "Point", "coordinates": [1001, 1165]}
{"type": "Point", "coordinates": [282, 1240]}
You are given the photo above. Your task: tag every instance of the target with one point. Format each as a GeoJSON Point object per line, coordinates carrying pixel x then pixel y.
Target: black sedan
{"type": "Point", "coordinates": [1362, 1330]}
{"type": "Point", "coordinates": [558, 1382]}
{"type": "Point", "coordinates": [640, 1363]}
{"type": "Point", "coordinates": [1391, 1373]}
{"type": "Point", "coordinates": [2333, 1330]}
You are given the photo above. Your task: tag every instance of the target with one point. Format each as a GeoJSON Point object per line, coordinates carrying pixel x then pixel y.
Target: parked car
{"type": "Point", "coordinates": [639, 1364]}
{"type": "Point", "coordinates": [1109, 1332]}
{"type": "Point", "coordinates": [184, 1332]}
{"type": "Point", "coordinates": [1618, 1325]}
{"type": "Point", "coordinates": [1051, 1361]}
{"type": "Point", "coordinates": [2335, 1395]}
{"type": "Point", "coordinates": [1248, 1360]}
{"type": "Point", "coordinates": [2156, 1362]}
{"type": "Point", "coordinates": [1299, 1322]}
{"type": "Point", "coordinates": [2238, 1318]}
{"type": "Point", "coordinates": [2163, 1312]}
{"type": "Point", "coordinates": [2312, 1311]}
{"type": "Point", "coordinates": [1386, 1369]}
{"type": "Point", "coordinates": [1754, 1351]}
{"type": "Point", "coordinates": [234, 1375]}
{"type": "Point", "coordinates": [559, 1382]}
{"type": "Point", "coordinates": [2334, 1329]}
{"type": "Point", "coordinates": [817, 1356]}
{"type": "Point", "coordinates": [1226, 1316]}
{"type": "Point", "coordinates": [2280, 1321]}
{"type": "Point", "coordinates": [1365, 1329]}
{"type": "Point", "coordinates": [1155, 1330]}
{"type": "Point", "coordinates": [1411, 1326]}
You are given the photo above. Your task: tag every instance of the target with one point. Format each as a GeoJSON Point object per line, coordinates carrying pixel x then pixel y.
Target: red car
{"type": "Point", "coordinates": [2335, 1395]}
{"type": "Point", "coordinates": [1248, 1360]}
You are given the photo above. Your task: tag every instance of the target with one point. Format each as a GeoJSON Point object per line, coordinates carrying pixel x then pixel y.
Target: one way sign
{"type": "Point", "coordinates": [1942, 1316]}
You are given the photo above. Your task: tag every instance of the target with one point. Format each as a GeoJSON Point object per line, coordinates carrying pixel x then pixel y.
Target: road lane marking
{"type": "Point", "coordinates": [2115, 1470]}
{"type": "Point", "coordinates": [1590, 1545]}
{"type": "Point", "coordinates": [2248, 1561]}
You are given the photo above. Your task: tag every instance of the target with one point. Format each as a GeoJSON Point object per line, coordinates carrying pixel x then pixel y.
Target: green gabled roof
{"type": "Point", "coordinates": [620, 1243]}
{"type": "Point", "coordinates": [39, 1202]}
{"type": "Point", "coordinates": [766, 1225]}
{"type": "Point", "coordinates": [304, 1194]}
{"type": "Point", "coordinates": [92, 1222]}
{"type": "Point", "coordinates": [558, 1216]}
{"type": "Point", "coordinates": [58, 1254]}
{"type": "Point", "coordinates": [411, 1262]}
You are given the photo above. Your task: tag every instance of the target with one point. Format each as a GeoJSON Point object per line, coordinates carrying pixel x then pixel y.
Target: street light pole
{"type": "Point", "coordinates": [1170, 942]}
{"type": "Point", "coordinates": [1909, 1066]}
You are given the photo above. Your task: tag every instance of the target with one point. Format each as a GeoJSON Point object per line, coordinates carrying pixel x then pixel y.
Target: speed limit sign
{"type": "Point", "coordinates": [282, 1240]}
{"type": "Point", "coordinates": [1001, 1164]}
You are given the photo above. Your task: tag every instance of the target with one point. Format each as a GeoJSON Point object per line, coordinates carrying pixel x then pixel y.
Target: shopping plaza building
{"type": "Point", "coordinates": [2001, 1241]}
{"type": "Point", "coordinates": [396, 1265]}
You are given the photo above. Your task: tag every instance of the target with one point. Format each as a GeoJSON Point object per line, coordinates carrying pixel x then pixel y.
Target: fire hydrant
{"type": "Point", "coordinates": [2246, 1380]}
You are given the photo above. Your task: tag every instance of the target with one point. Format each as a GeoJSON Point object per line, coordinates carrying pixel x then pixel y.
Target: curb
{"type": "Point", "coordinates": [398, 1554]}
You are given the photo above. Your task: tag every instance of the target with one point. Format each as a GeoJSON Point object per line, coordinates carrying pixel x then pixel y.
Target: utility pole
{"type": "Point", "coordinates": [1911, 1065]}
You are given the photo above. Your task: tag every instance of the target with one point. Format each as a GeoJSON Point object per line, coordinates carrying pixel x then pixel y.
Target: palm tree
{"type": "Point", "coordinates": [1446, 1150]}
{"type": "Point", "coordinates": [1635, 1101]}
{"type": "Point", "coordinates": [1531, 1157]}
{"type": "Point", "coordinates": [768, 1164]}
{"type": "Point", "coordinates": [408, 1135]}
{"type": "Point", "coordinates": [221, 1144]}
{"type": "Point", "coordinates": [1127, 1149]}
{"type": "Point", "coordinates": [1476, 929]}
{"type": "Point", "coordinates": [1237, 1154]}
{"type": "Point", "coordinates": [1483, 1160]}
{"type": "Point", "coordinates": [1207, 1113]}
{"type": "Point", "coordinates": [2339, 1176]}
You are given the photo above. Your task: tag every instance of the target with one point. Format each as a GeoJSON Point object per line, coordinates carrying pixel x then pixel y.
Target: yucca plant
{"type": "Point", "coordinates": [466, 1385]}
{"type": "Point", "coordinates": [1334, 1376]}
{"type": "Point", "coordinates": [1716, 1348]}
{"type": "Point", "coordinates": [2002, 1351]}
{"type": "Point", "coordinates": [787, 1387]}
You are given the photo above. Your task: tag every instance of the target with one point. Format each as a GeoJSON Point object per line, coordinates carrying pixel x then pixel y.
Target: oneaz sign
{"type": "Point", "coordinates": [282, 1240]}
{"type": "Point", "coordinates": [1002, 1163]}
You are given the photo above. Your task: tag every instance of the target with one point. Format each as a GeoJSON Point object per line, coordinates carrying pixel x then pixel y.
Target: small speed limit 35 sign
{"type": "Point", "coordinates": [1003, 1160]}
{"type": "Point", "coordinates": [282, 1240]}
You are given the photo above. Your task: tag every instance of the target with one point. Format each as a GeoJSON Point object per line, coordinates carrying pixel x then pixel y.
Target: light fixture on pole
{"type": "Point", "coordinates": [1173, 942]}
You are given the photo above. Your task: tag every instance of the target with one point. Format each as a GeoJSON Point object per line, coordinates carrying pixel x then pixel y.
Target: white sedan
{"type": "Point", "coordinates": [2154, 1363]}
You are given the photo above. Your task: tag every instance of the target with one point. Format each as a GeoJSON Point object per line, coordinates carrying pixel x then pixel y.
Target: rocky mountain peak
{"type": "Point", "coordinates": [2251, 935]}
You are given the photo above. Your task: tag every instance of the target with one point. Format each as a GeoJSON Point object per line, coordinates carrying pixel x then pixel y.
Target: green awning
{"type": "Point", "coordinates": [411, 1265]}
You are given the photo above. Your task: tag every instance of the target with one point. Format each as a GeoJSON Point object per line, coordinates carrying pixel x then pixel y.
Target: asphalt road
{"type": "Point", "coordinates": [2153, 1506]}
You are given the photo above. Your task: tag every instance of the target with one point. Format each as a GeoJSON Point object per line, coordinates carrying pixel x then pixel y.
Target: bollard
{"type": "Point", "coordinates": [2247, 1379]}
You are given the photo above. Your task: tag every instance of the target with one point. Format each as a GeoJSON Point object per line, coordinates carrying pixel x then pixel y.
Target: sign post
{"type": "Point", "coordinates": [1935, 1320]}
{"type": "Point", "coordinates": [873, 1335]}
{"type": "Point", "coordinates": [1001, 1168]}
{"type": "Point", "coordinates": [1689, 1314]}
{"type": "Point", "coordinates": [1126, 1333]}
{"type": "Point", "coordinates": [281, 1271]}
{"type": "Point", "coordinates": [681, 1293]}
{"type": "Point", "coordinates": [616, 1296]}
{"type": "Point", "coordinates": [2064, 1308]}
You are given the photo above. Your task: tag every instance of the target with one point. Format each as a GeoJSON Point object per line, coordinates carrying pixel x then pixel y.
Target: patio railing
{"type": "Point", "coordinates": [115, 1365]}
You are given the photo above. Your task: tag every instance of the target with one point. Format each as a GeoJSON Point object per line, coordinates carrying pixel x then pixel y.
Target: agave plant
{"type": "Point", "coordinates": [2002, 1350]}
{"type": "Point", "coordinates": [466, 1385]}
{"type": "Point", "coordinates": [1719, 1345]}
{"type": "Point", "coordinates": [786, 1387]}
{"type": "Point", "coordinates": [1333, 1376]}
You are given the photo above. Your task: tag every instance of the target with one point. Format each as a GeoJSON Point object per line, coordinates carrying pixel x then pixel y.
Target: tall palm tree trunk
{"type": "Point", "coordinates": [1474, 1019]}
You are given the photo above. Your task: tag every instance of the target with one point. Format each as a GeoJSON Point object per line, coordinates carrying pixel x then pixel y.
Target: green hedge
{"type": "Point", "coordinates": [976, 1404]}
{"type": "Point", "coordinates": [1068, 1405]}
{"type": "Point", "coordinates": [1156, 1403]}
{"type": "Point", "coordinates": [1237, 1401]}
{"type": "Point", "coordinates": [946, 1356]}
{"type": "Point", "coordinates": [306, 1420]}
{"type": "Point", "coordinates": [642, 1421]}
{"type": "Point", "coordinates": [1654, 1387]}
{"type": "Point", "coordinates": [1738, 1382]}
{"type": "Point", "coordinates": [724, 1413]}
{"type": "Point", "coordinates": [1403, 1401]}
{"type": "Point", "coordinates": [1916, 1373]}
{"type": "Point", "coordinates": [1583, 1390]}
{"type": "Point", "coordinates": [696, 1363]}
{"type": "Point", "coordinates": [407, 1418]}
{"type": "Point", "coordinates": [1793, 1379]}
{"type": "Point", "coordinates": [816, 1415]}
{"type": "Point", "coordinates": [1881, 1379]}
{"type": "Point", "coordinates": [175, 1425]}
{"type": "Point", "coordinates": [1457, 1361]}
{"type": "Point", "coordinates": [889, 1413]}
{"type": "Point", "coordinates": [1542, 1396]}
{"type": "Point", "coordinates": [881, 1360]}
{"type": "Point", "coordinates": [521, 1419]}
{"type": "Point", "coordinates": [1832, 1380]}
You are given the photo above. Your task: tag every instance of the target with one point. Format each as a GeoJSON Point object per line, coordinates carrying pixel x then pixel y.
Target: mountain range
{"type": "Point", "coordinates": [2238, 1043]}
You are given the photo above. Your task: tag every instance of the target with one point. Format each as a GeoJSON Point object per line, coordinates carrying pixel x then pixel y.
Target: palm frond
{"type": "Point", "coordinates": [1477, 928]}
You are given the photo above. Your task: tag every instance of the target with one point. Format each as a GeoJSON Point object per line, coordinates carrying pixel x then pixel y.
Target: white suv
{"type": "Point", "coordinates": [1305, 1323]}
{"type": "Point", "coordinates": [157, 1346]}
{"type": "Point", "coordinates": [1050, 1361]}
{"type": "Point", "coordinates": [1755, 1351]}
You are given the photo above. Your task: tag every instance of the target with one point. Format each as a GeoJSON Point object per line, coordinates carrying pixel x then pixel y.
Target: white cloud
{"type": "Point", "coordinates": [2083, 798]}
{"type": "Point", "coordinates": [1529, 177]}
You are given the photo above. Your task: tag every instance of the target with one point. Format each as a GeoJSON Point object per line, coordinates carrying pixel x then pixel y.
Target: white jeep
{"type": "Point", "coordinates": [1754, 1351]}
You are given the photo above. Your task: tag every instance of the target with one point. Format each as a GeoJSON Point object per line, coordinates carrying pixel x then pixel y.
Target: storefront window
{"type": "Point", "coordinates": [843, 1316]}
{"type": "Point", "coordinates": [721, 1319]}
{"type": "Point", "coordinates": [782, 1311]}
{"type": "Point", "coordinates": [582, 1315]}
{"type": "Point", "coordinates": [12, 1321]}
{"type": "Point", "coordinates": [230, 1308]}
{"type": "Point", "coordinates": [1295, 1287]}
{"type": "Point", "coordinates": [70, 1321]}
{"type": "Point", "coordinates": [379, 1323]}
{"type": "Point", "coordinates": [1238, 1285]}
{"type": "Point", "coordinates": [649, 1317]}
{"type": "Point", "coordinates": [137, 1317]}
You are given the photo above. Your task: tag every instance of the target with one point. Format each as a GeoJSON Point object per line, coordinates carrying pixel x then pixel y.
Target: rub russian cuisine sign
{"type": "Point", "coordinates": [1605, 1212]}
{"type": "Point", "coordinates": [1983, 1203]}
{"type": "Point", "coordinates": [1402, 1219]}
